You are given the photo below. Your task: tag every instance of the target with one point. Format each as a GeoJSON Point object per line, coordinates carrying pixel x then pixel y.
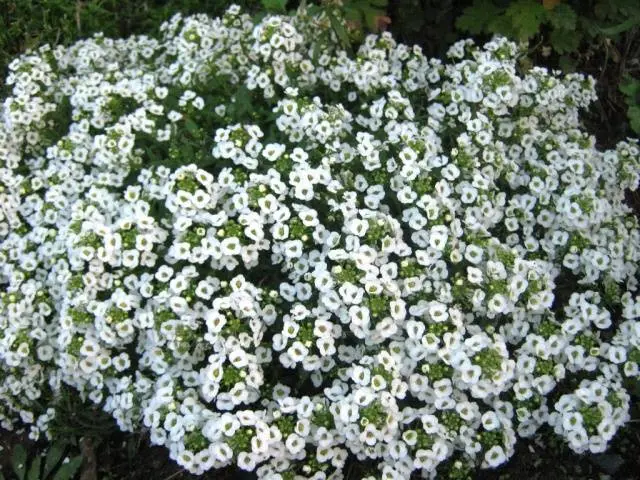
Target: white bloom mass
{"type": "Point", "coordinates": [272, 253]}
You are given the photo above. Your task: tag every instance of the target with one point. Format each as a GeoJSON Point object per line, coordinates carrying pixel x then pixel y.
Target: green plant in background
{"type": "Point", "coordinates": [520, 19]}
{"type": "Point", "coordinates": [360, 16]}
{"type": "Point", "coordinates": [275, 6]}
{"type": "Point", "coordinates": [78, 418]}
{"type": "Point", "coordinates": [631, 90]}
{"type": "Point", "coordinates": [51, 463]}
{"type": "Point", "coordinates": [555, 26]}
{"type": "Point", "coordinates": [562, 25]}
{"type": "Point", "coordinates": [370, 15]}
{"type": "Point", "coordinates": [599, 37]}
{"type": "Point", "coordinates": [75, 430]}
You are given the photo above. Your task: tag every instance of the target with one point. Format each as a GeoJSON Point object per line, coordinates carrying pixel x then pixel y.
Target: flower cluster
{"type": "Point", "coordinates": [270, 253]}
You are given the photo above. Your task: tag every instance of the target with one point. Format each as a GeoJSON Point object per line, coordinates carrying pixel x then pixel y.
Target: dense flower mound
{"type": "Point", "coordinates": [268, 252]}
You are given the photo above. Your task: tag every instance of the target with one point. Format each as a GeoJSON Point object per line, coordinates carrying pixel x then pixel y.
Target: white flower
{"type": "Point", "coordinates": [297, 351]}
{"type": "Point", "coordinates": [294, 443]}
{"type": "Point", "coordinates": [495, 456]}
{"type": "Point", "coordinates": [246, 461]}
{"type": "Point", "coordinates": [438, 237]}
{"type": "Point", "coordinates": [293, 248]}
{"type": "Point", "coordinates": [273, 151]}
{"type": "Point", "coordinates": [473, 254]}
{"type": "Point", "coordinates": [474, 275]}
{"type": "Point", "coordinates": [490, 421]}
{"type": "Point", "coordinates": [438, 312]}
{"type": "Point", "coordinates": [497, 303]}
{"type": "Point", "coordinates": [230, 246]}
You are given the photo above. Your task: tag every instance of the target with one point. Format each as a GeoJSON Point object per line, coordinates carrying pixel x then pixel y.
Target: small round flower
{"type": "Point", "coordinates": [495, 456]}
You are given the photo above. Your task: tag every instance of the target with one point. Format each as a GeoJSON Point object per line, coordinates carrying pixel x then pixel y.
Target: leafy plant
{"type": "Point", "coordinates": [594, 36]}
{"type": "Point", "coordinates": [631, 90]}
{"type": "Point", "coordinates": [561, 26]}
{"type": "Point", "coordinates": [351, 19]}
{"type": "Point", "coordinates": [369, 14]}
{"type": "Point", "coordinates": [278, 6]}
{"type": "Point", "coordinates": [49, 464]}
{"type": "Point", "coordinates": [76, 418]}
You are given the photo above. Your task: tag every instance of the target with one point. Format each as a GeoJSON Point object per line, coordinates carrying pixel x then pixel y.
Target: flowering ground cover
{"type": "Point", "coordinates": [269, 253]}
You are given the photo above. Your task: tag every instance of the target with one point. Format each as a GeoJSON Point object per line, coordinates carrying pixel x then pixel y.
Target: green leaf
{"type": "Point", "coordinates": [379, 3]}
{"type": "Point", "coordinates": [258, 17]}
{"type": "Point", "coordinates": [621, 28]}
{"type": "Point", "coordinates": [34, 470]}
{"type": "Point", "coordinates": [242, 104]}
{"type": "Point", "coordinates": [279, 6]}
{"type": "Point", "coordinates": [589, 27]}
{"type": "Point", "coordinates": [526, 17]}
{"type": "Point", "coordinates": [567, 64]}
{"type": "Point", "coordinates": [371, 18]}
{"type": "Point", "coordinates": [474, 19]}
{"type": "Point", "coordinates": [53, 457]}
{"type": "Point", "coordinates": [565, 41]}
{"type": "Point", "coordinates": [191, 126]}
{"type": "Point", "coordinates": [68, 470]}
{"type": "Point", "coordinates": [132, 442]}
{"type": "Point", "coordinates": [502, 25]}
{"type": "Point", "coordinates": [314, 10]}
{"type": "Point", "coordinates": [630, 87]}
{"type": "Point", "coordinates": [340, 31]}
{"type": "Point", "coordinates": [19, 461]}
{"type": "Point", "coordinates": [315, 51]}
{"type": "Point", "coordinates": [353, 15]}
{"type": "Point", "coordinates": [634, 118]}
{"type": "Point", "coordinates": [563, 17]}
{"type": "Point", "coordinates": [602, 10]}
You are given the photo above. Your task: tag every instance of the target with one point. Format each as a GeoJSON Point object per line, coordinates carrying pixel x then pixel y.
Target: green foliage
{"type": "Point", "coordinates": [525, 18]}
{"type": "Point", "coordinates": [76, 418]}
{"type": "Point", "coordinates": [350, 19]}
{"type": "Point", "coordinates": [570, 34]}
{"type": "Point", "coordinates": [366, 12]}
{"type": "Point", "coordinates": [631, 90]}
{"type": "Point", "coordinates": [564, 20]}
{"type": "Point", "coordinates": [478, 17]}
{"type": "Point", "coordinates": [561, 25]}
{"type": "Point", "coordinates": [47, 464]}
{"type": "Point", "coordinates": [277, 6]}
